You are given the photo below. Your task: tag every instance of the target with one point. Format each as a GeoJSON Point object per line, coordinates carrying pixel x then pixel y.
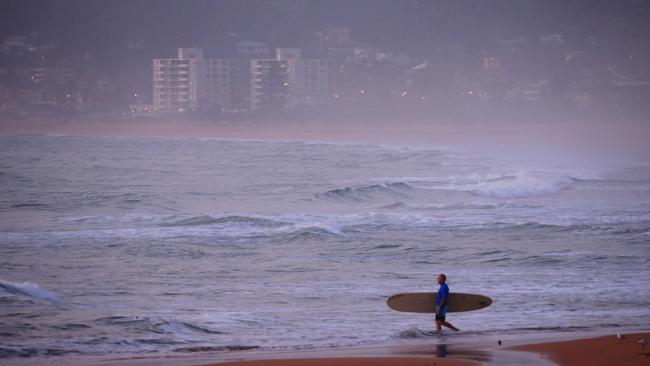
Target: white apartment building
{"type": "Point", "coordinates": [175, 81]}
{"type": "Point", "coordinates": [289, 80]}
{"type": "Point", "coordinates": [190, 81]}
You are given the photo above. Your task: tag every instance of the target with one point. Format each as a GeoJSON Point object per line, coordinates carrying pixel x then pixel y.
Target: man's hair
{"type": "Point", "coordinates": [444, 278]}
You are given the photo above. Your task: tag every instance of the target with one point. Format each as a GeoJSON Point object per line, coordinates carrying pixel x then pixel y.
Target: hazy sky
{"type": "Point", "coordinates": [391, 24]}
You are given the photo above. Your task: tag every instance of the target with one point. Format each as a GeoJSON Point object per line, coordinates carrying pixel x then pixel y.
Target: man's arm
{"type": "Point", "coordinates": [443, 302]}
{"type": "Point", "coordinates": [442, 305]}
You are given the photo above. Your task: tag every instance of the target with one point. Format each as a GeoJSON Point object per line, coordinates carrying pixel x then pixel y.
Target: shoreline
{"type": "Point", "coordinates": [579, 135]}
{"type": "Point", "coordinates": [575, 349]}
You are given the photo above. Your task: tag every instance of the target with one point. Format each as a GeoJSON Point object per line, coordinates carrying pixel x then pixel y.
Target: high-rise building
{"type": "Point", "coordinates": [175, 81]}
{"type": "Point", "coordinates": [289, 80]}
{"type": "Point", "coordinates": [270, 86]}
{"type": "Point", "coordinates": [217, 83]}
{"type": "Point", "coordinates": [319, 76]}
{"type": "Point", "coordinates": [191, 81]}
{"type": "Point", "coordinates": [246, 51]}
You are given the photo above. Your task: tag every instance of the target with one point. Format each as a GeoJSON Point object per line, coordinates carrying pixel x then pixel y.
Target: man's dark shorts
{"type": "Point", "coordinates": [440, 317]}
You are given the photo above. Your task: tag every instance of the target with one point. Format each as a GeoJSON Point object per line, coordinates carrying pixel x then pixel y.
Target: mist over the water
{"type": "Point", "coordinates": [448, 72]}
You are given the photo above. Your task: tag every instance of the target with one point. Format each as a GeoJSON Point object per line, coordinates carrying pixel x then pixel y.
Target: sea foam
{"type": "Point", "coordinates": [521, 185]}
{"type": "Point", "coordinates": [29, 289]}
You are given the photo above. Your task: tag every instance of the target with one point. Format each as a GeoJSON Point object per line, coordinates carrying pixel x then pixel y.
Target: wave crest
{"type": "Point", "coordinates": [233, 348]}
{"type": "Point", "coordinates": [521, 185]}
{"type": "Point", "coordinates": [30, 290]}
{"type": "Point", "coordinates": [367, 192]}
{"type": "Point", "coordinates": [204, 220]}
{"type": "Point", "coordinates": [156, 325]}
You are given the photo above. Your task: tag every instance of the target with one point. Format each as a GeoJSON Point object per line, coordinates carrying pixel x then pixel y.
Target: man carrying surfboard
{"type": "Point", "coordinates": [442, 304]}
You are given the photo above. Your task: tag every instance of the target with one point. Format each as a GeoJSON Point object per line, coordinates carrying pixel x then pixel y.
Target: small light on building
{"type": "Point", "coordinates": [336, 95]}
{"type": "Point", "coordinates": [403, 93]}
{"type": "Point", "coordinates": [363, 91]}
{"type": "Point", "coordinates": [470, 92]}
{"type": "Point", "coordinates": [286, 84]}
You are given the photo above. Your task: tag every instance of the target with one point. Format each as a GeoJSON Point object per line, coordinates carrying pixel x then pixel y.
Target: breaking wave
{"type": "Point", "coordinates": [396, 216]}
{"type": "Point", "coordinates": [314, 232]}
{"type": "Point", "coordinates": [234, 348]}
{"type": "Point", "coordinates": [440, 206]}
{"type": "Point", "coordinates": [144, 325]}
{"type": "Point", "coordinates": [525, 185]}
{"type": "Point", "coordinates": [29, 290]}
{"type": "Point", "coordinates": [510, 185]}
{"type": "Point", "coordinates": [235, 219]}
{"type": "Point", "coordinates": [367, 192]}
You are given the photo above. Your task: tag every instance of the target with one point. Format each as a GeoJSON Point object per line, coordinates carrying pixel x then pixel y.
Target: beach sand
{"type": "Point", "coordinates": [606, 351]}
{"type": "Point", "coordinates": [356, 361]}
{"type": "Point", "coordinates": [563, 350]}
{"type": "Point", "coordinates": [591, 135]}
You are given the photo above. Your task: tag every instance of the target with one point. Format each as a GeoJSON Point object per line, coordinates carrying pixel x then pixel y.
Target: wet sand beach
{"type": "Point", "coordinates": [601, 350]}
{"type": "Point", "coordinates": [606, 350]}
{"type": "Point", "coordinates": [387, 361]}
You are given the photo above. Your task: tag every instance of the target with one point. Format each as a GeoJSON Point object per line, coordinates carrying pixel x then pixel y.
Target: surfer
{"type": "Point", "coordinates": [442, 304]}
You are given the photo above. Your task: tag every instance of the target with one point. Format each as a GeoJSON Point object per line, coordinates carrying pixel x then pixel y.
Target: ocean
{"type": "Point", "coordinates": [171, 246]}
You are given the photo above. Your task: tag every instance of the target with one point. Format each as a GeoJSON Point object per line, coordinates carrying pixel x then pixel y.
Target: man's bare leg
{"type": "Point", "coordinates": [446, 324]}
{"type": "Point", "coordinates": [438, 326]}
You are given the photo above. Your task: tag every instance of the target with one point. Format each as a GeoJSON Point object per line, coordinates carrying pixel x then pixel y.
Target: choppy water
{"type": "Point", "coordinates": [121, 245]}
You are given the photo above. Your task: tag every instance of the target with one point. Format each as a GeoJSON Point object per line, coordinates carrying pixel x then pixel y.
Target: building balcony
{"type": "Point", "coordinates": [168, 86]}
{"type": "Point", "coordinates": [167, 79]}
{"type": "Point", "coordinates": [174, 95]}
{"type": "Point", "coordinates": [170, 65]}
{"type": "Point", "coordinates": [171, 73]}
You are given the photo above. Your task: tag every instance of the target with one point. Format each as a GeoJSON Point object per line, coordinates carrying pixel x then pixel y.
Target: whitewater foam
{"type": "Point", "coordinates": [205, 245]}
{"type": "Point", "coordinates": [518, 184]}
{"type": "Point", "coordinates": [30, 290]}
{"type": "Point", "coordinates": [521, 185]}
